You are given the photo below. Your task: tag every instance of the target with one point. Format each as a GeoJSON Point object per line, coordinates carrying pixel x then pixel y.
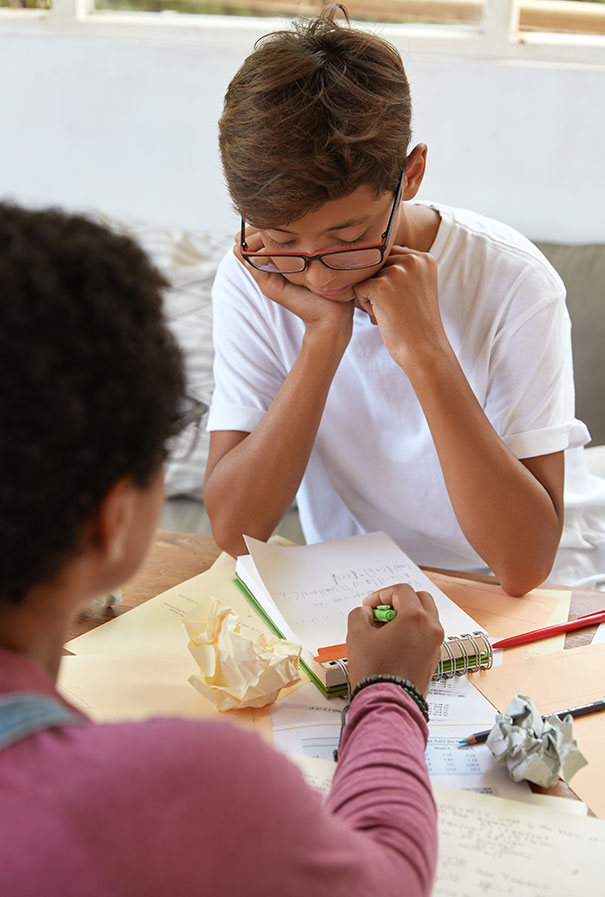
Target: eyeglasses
{"type": "Point", "coordinates": [337, 259]}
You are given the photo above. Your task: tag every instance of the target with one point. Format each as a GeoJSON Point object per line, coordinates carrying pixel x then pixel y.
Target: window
{"type": "Point", "coordinates": [554, 16]}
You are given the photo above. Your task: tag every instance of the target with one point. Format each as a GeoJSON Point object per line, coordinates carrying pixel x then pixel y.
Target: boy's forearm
{"type": "Point", "coordinates": [509, 517]}
{"type": "Point", "coordinates": [252, 486]}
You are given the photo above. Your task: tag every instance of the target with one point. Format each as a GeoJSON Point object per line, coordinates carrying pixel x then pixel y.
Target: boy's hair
{"type": "Point", "coordinates": [313, 114]}
{"type": "Point", "coordinates": [91, 382]}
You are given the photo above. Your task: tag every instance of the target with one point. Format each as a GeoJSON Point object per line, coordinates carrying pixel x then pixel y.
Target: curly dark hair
{"type": "Point", "coordinates": [313, 114]}
{"type": "Point", "coordinates": [91, 383]}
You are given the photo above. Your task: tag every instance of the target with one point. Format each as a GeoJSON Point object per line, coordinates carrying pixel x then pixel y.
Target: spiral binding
{"type": "Point", "coordinates": [462, 660]}
{"type": "Point", "coordinates": [457, 663]}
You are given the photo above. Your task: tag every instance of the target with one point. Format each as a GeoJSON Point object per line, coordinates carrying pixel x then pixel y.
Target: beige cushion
{"type": "Point", "coordinates": [583, 271]}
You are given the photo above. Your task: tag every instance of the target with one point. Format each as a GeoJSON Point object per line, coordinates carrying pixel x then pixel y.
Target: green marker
{"type": "Point", "coordinates": [384, 613]}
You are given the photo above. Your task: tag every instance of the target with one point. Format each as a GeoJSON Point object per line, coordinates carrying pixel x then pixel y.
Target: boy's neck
{"type": "Point", "coordinates": [418, 226]}
{"type": "Point", "coordinates": [37, 627]}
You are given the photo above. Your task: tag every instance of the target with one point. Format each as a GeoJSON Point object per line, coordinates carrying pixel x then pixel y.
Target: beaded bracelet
{"type": "Point", "coordinates": [405, 684]}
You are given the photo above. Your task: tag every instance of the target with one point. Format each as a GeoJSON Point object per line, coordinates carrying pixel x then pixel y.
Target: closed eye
{"type": "Point", "coordinates": [353, 242]}
{"type": "Point", "coordinates": [291, 244]}
{"type": "Point", "coordinates": [276, 245]}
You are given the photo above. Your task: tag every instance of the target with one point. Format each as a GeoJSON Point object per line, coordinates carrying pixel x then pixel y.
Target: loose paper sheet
{"type": "Point", "coordinates": [155, 627]}
{"type": "Point", "coordinates": [122, 688]}
{"type": "Point", "coordinates": [499, 847]}
{"type": "Point", "coordinates": [599, 636]}
{"type": "Point", "coordinates": [307, 724]}
{"type": "Point", "coordinates": [488, 845]}
{"type": "Point", "coordinates": [556, 682]}
{"type": "Point", "coordinates": [318, 774]}
{"type": "Point", "coordinates": [500, 614]}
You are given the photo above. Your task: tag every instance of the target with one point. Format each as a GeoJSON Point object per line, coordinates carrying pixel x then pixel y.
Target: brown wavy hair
{"type": "Point", "coordinates": [312, 114]}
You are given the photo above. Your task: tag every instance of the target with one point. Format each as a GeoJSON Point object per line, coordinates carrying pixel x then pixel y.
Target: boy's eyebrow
{"type": "Point", "coordinates": [352, 222]}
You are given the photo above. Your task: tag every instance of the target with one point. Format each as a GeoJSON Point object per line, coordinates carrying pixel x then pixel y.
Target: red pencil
{"type": "Point", "coordinates": [536, 634]}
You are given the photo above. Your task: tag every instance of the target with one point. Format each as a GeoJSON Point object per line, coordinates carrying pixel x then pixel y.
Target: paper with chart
{"type": "Point", "coordinates": [313, 587]}
{"type": "Point", "coordinates": [307, 724]}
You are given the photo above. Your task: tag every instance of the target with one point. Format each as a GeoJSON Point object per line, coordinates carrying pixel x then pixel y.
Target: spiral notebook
{"type": "Point", "coordinates": [305, 592]}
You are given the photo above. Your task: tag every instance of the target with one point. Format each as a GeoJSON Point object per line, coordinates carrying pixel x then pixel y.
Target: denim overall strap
{"type": "Point", "coordinates": [25, 713]}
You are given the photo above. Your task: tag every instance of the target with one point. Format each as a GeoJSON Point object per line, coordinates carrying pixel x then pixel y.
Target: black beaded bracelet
{"type": "Point", "coordinates": [405, 684]}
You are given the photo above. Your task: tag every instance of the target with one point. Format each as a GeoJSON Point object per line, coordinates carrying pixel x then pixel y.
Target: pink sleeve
{"type": "Point", "coordinates": [381, 788]}
{"type": "Point", "coordinates": [207, 807]}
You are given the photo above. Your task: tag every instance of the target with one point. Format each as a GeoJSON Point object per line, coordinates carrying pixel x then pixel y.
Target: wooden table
{"type": "Point", "coordinates": [177, 556]}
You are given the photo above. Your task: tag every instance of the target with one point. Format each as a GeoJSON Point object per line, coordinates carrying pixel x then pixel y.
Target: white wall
{"type": "Point", "coordinates": [128, 125]}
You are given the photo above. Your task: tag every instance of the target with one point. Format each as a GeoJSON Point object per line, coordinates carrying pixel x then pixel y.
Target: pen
{"type": "Point", "coordinates": [383, 613]}
{"type": "Point", "coordinates": [557, 629]}
{"type": "Point", "coordinates": [595, 707]}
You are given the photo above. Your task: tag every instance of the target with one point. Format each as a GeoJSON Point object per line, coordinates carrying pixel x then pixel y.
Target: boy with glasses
{"type": "Point", "coordinates": [394, 365]}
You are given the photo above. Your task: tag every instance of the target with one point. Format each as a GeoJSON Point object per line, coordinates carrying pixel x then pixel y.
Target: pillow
{"type": "Point", "coordinates": [582, 269]}
{"type": "Point", "coordinates": [188, 261]}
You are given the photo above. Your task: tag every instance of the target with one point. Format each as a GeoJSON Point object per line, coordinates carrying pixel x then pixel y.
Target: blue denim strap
{"type": "Point", "coordinates": [25, 713]}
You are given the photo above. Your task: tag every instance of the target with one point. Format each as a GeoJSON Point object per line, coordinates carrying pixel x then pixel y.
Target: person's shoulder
{"type": "Point", "coordinates": [484, 240]}
{"type": "Point", "coordinates": [231, 273]}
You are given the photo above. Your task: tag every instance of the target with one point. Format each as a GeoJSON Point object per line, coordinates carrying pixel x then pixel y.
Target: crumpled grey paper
{"type": "Point", "coordinates": [541, 751]}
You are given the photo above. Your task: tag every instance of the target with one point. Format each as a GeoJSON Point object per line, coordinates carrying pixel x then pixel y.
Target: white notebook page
{"type": "Point", "coordinates": [315, 586]}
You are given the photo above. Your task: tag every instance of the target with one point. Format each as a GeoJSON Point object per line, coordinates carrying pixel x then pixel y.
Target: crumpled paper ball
{"type": "Point", "coordinates": [541, 751]}
{"type": "Point", "coordinates": [236, 669]}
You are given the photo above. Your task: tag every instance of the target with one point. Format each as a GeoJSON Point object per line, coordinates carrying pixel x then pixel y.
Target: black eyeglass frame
{"type": "Point", "coordinates": [306, 257]}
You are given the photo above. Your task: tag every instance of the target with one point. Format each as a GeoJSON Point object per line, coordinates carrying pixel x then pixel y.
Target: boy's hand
{"type": "Point", "coordinates": [408, 646]}
{"type": "Point", "coordinates": [403, 300]}
{"type": "Point", "coordinates": [317, 312]}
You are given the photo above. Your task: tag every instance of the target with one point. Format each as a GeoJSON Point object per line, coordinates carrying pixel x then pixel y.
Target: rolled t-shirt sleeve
{"type": "Point", "coordinates": [248, 371]}
{"type": "Point", "coordinates": [530, 399]}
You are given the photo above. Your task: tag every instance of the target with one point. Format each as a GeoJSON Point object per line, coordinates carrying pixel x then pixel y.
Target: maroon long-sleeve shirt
{"type": "Point", "coordinates": [175, 808]}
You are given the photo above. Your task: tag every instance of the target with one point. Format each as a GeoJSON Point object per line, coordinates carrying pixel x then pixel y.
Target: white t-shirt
{"type": "Point", "coordinates": [374, 465]}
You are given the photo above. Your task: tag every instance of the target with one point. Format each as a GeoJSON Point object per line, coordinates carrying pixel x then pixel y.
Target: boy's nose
{"type": "Point", "coordinates": [321, 278]}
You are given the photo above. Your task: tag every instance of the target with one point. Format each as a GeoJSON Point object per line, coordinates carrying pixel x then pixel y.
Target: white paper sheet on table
{"type": "Point", "coordinates": [501, 847]}
{"type": "Point", "coordinates": [319, 774]}
{"type": "Point", "coordinates": [307, 724]}
{"type": "Point", "coordinates": [599, 635]}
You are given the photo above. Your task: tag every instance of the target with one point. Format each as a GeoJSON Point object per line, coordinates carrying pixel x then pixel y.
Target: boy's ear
{"type": "Point", "coordinates": [414, 171]}
{"type": "Point", "coordinates": [111, 526]}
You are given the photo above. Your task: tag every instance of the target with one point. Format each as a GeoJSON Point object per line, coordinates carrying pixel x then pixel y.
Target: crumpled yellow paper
{"type": "Point", "coordinates": [236, 670]}
{"type": "Point", "coordinates": [541, 751]}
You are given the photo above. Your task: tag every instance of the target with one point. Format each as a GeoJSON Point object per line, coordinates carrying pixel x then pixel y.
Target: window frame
{"type": "Point", "coordinates": [498, 38]}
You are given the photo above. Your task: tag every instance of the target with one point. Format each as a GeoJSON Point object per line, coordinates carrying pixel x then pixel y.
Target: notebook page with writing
{"type": "Point", "coordinates": [313, 587]}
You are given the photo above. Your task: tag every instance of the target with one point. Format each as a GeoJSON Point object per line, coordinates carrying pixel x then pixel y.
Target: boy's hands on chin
{"type": "Point", "coordinates": [403, 300]}
{"type": "Point", "coordinates": [408, 646]}
{"type": "Point", "coordinates": [317, 312]}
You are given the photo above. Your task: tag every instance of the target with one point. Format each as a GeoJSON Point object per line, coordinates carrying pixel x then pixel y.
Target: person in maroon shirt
{"type": "Point", "coordinates": [91, 393]}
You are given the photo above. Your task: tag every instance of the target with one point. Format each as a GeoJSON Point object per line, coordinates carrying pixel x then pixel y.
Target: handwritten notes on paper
{"type": "Point", "coordinates": [315, 586]}
{"type": "Point", "coordinates": [488, 845]}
